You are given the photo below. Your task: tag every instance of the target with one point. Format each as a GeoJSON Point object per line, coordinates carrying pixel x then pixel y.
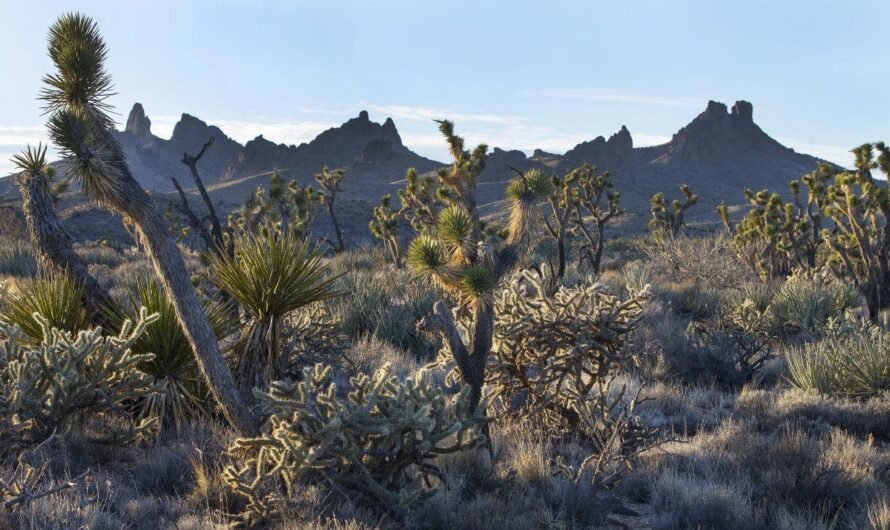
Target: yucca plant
{"type": "Point", "coordinates": [179, 390]}
{"type": "Point", "coordinates": [80, 124]}
{"type": "Point", "coordinates": [55, 296]}
{"type": "Point", "coordinates": [270, 276]}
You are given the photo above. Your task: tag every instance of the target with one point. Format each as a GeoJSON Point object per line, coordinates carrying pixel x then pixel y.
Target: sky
{"type": "Point", "coordinates": [516, 75]}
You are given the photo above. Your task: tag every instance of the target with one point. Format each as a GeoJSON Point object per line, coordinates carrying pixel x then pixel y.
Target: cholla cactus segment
{"type": "Point", "coordinates": [378, 443]}
{"type": "Point", "coordinates": [551, 352]}
{"type": "Point", "coordinates": [50, 386]}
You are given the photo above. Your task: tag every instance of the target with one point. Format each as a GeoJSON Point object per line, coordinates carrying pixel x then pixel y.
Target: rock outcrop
{"type": "Point", "coordinates": [138, 123]}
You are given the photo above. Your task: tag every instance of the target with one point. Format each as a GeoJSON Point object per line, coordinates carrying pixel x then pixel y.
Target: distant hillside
{"type": "Point", "coordinates": [719, 153]}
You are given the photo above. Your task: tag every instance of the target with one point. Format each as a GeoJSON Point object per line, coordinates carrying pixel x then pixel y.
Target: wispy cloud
{"type": "Point", "coordinates": [18, 136]}
{"type": "Point", "coordinates": [615, 96]}
{"type": "Point", "coordinates": [279, 131]}
{"type": "Point", "coordinates": [406, 112]}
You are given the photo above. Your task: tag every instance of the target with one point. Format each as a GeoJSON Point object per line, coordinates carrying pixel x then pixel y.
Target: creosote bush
{"type": "Point", "coordinates": [378, 444]}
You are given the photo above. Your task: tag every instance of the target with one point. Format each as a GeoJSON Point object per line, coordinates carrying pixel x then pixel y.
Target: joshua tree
{"type": "Point", "coordinates": [860, 238]}
{"type": "Point", "coordinates": [562, 206]}
{"type": "Point", "coordinates": [385, 226]}
{"type": "Point", "coordinates": [270, 275]}
{"type": "Point", "coordinates": [775, 235]}
{"type": "Point", "coordinates": [75, 96]}
{"type": "Point", "coordinates": [596, 203]}
{"type": "Point", "coordinates": [668, 219]}
{"type": "Point", "coordinates": [330, 180]}
{"type": "Point", "coordinates": [50, 240]}
{"type": "Point", "coordinates": [285, 208]}
{"type": "Point", "coordinates": [455, 255]}
{"type": "Point", "coordinates": [418, 199]}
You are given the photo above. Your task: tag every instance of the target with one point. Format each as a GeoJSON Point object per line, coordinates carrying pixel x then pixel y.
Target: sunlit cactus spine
{"type": "Point", "coordinates": [379, 443]}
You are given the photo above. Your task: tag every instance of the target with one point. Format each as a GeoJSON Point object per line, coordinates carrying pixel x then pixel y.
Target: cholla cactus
{"type": "Point", "coordinates": [49, 387]}
{"type": "Point", "coordinates": [385, 227]}
{"type": "Point", "coordinates": [860, 238]}
{"type": "Point", "coordinates": [378, 444]}
{"type": "Point", "coordinates": [745, 334]}
{"type": "Point", "coordinates": [551, 352]}
{"type": "Point", "coordinates": [668, 219]}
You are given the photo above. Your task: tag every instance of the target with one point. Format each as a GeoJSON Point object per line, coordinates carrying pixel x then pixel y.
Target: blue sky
{"type": "Point", "coordinates": [514, 74]}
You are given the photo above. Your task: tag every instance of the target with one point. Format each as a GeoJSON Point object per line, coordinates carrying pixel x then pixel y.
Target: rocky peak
{"type": "Point", "coordinates": [744, 111]}
{"type": "Point", "coordinates": [608, 154]}
{"type": "Point", "coordinates": [189, 129]}
{"type": "Point", "coordinates": [138, 123]}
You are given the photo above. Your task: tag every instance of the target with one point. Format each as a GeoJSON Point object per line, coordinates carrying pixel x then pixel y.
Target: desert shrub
{"type": "Point", "coordinates": [100, 254]}
{"type": "Point", "coordinates": [180, 391]}
{"type": "Point", "coordinates": [55, 296]}
{"type": "Point", "coordinates": [270, 276]}
{"type": "Point", "coordinates": [810, 298]}
{"type": "Point", "coordinates": [743, 335]}
{"type": "Point", "coordinates": [849, 362]}
{"type": "Point", "coordinates": [53, 385]}
{"type": "Point", "coordinates": [378, 443]}
{"type": "Point", "coordinates": [708, 262]}
{"type": "Point", "coordinates": [555, 359]}
{"type": "Point", "coordinates": [16, 259]}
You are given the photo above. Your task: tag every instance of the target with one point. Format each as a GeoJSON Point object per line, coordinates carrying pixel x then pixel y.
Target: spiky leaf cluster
{"type": "Point", "coordinates": [55, 296]}
{"type": "Point", "coordinates": [668, 218]}
{"type": "Point", "coordinates": [377, 444]}
{"type": "Point", "coordinates": [54, 385]}
{"type": "Point", "coordinates": [180, 392]}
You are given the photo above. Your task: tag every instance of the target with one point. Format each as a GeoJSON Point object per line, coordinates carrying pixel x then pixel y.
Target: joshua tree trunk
{"type": "Point", "coordinates": [471, 364]}
{"type": "Point", "coordinates": [126, 197]}
{"type": "Point", "coordinates": [256, 355]}
{"type": "Point", "coordinates": [52, 243]}
{"type": "Point", "coordinates": [329, 204]}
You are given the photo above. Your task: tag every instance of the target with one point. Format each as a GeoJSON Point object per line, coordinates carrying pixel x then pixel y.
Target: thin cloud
{"type": "Point", "coordinates": [19, 136]}
{"type": "Point", "coordinates": [406, 112]}
{"type": "Point", "coordinates": [615, 96]}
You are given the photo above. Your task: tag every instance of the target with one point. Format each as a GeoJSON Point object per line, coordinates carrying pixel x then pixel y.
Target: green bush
{"type": "Point", "coordinates": [378, 444]}
{"type": "Point", "coordinates": [55, 296]}
{"type": "Point", "coordinates": [180, 390]}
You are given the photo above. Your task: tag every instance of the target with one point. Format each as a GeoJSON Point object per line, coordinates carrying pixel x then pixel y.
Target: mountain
{"type": "Point", "coordinates": [719, 153]}
{"type": "Point", "coordinates": [358, 142]}
{"type": "Point", "coordinates": [154, 160]}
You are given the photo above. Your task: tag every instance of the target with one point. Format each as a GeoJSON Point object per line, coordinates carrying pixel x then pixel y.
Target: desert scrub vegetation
{"type": "Point", "coordinates": [260, 378]}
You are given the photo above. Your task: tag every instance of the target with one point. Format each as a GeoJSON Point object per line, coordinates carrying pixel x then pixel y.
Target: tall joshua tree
{"type": "Point", "coordinates": [454, 254]}
{"type": "Point", "coordinates": [330, 180]}
{"type": "Point", "coordinates": [50, 240]}
{"type": "Point", "coordinates": [75, 96]}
